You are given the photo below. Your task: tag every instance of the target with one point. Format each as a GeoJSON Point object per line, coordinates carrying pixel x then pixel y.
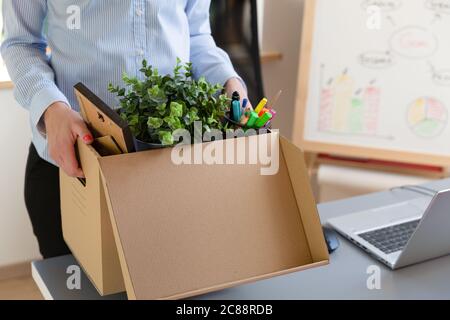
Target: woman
{"type": "Point", "coordinates": [94, 42]}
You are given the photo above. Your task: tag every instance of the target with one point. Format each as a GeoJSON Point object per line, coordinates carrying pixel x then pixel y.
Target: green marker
{"type": "Point", "coordinates": [252, 120]}
{"type": "Point", "coordinates": [262, 121]}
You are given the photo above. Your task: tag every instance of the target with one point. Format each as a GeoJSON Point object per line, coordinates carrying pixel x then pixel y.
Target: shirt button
{"type": "Point", "coordinates": [139, 12]}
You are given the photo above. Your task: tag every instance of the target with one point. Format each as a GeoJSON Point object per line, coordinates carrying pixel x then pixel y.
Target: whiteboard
{"type": "Point", "coordinates": [376, 79]}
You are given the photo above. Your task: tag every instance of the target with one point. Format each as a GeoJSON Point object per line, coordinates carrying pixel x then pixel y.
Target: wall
{"type": "Point", "coordinates": [282, 33]}
{"type": "Point", "coordinates": [17, 242]}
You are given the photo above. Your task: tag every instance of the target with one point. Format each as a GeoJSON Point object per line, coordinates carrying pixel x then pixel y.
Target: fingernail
{"type": "Point", "coordinates": [88, 138]}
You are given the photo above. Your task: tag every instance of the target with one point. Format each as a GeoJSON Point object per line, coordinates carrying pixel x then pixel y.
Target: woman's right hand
{"type": "Point", "coordinates": [63, 126]}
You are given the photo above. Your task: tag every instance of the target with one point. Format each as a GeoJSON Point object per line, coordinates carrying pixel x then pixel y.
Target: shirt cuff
{"type": "Point", "coordinates": [40, 102]}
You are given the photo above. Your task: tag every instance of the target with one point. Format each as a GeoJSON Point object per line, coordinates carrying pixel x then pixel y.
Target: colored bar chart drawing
{"type": "Point", "coordinates": [348, 110]}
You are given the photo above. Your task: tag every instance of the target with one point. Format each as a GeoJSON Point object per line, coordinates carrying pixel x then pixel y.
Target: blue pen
{"type": "Point", "coordinates": [236, 106]}
{"type": "Point", "coordinates": [244, 103]}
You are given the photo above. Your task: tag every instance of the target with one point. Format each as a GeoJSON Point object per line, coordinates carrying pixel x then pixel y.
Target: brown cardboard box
{"type": "Point", "coordinates": [183, 230]}
{"type": "Point", "coordinates": [87, 226]}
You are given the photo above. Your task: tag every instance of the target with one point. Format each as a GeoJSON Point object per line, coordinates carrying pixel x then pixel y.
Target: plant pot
{"type": "Point", "coordinates": [228, 119]}
{"type": "Point", "coordinates": [143, 146]}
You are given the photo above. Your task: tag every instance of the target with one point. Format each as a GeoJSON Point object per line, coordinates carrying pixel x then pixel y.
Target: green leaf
{"type": "Point", "coordinates": [133, 120]}
{"type": "Point", "coordinates": [191, 116]}
{"type": "Point", "coordinates": [166, 138]}
{"type": "Point", "coordinates": [176, 109]}
{"type": "Point", "coordinates": [124, 116]}
{"type": "Point", "coordinates": [211, 121]}
{"type": "Point", "coordinates": [154, 91]}
{"type": "Point", "coordinates": [174, 123]}
{"type": "Point", "coordinates": [155, 123]}
{"type": "Point", "coordinates": [162, 108]}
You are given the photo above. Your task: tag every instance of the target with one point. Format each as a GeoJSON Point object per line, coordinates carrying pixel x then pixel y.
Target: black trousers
{"type": "Point", "coordinates": [42, 200]}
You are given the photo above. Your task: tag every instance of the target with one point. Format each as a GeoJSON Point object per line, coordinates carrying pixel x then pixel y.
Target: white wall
{"type": "Point", "coordinates": [282, 33]}
{"type": "Point", "coordinates": [17, 242]}
{"type": "Point", "coordinates": [260, 4]}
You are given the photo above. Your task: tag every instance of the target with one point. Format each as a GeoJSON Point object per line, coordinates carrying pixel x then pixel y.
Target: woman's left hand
{"type": "Point", "coordinates": [234, 84]}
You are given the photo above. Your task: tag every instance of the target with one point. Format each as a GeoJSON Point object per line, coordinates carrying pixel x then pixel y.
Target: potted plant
{"type": "Point", "coordinates": [159, 105]}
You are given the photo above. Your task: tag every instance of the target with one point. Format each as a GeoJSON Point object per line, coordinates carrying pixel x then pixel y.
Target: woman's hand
{"type": "Point", "coordinates": [234, 84]}
{"type": "Point", "coordinates": [63, 126]}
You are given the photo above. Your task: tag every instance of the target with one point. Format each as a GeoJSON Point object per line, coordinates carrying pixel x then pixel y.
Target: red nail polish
{"type": "Point", "coordinates": [87, 138]}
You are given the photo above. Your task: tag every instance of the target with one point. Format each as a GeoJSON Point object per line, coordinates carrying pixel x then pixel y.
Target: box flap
{"type": "Point", "coordinates": [295, 162]}
{"type": "Point", "coordinates": [196, 228]}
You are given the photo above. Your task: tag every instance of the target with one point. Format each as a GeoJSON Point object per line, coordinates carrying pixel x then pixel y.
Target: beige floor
{"type": "Point", "coordinates": [334, 185]}
{"type": "Point", "coordinates": [19, 289]}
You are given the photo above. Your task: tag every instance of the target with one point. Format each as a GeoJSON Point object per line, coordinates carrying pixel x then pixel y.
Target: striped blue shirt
{"type": "Point", "coordinates": [95, 41]}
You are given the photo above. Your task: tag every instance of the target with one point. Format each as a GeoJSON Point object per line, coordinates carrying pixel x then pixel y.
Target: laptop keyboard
{"type": "Point", "coordinates": [391, 239]}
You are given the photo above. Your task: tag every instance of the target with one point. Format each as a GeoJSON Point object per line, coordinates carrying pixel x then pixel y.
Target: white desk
{"type": "Point", "coordinates": [345, 277]}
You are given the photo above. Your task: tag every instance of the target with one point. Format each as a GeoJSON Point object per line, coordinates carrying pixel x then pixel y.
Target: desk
{"type": "Point", "coordinates": [345, 277]}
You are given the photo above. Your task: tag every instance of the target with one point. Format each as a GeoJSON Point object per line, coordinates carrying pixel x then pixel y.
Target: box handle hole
{"type": "Point", "coordinates": [82, 181]}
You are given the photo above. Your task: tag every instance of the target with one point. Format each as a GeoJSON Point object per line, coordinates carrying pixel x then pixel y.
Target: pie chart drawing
{"type": "Point", "coordinates": [427, 117]}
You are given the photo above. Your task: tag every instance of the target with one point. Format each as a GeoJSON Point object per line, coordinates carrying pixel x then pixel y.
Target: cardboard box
{"type": "Point", "coordinates": [87, 226]}
{"type": "Point", "coordinates": [183, 230]}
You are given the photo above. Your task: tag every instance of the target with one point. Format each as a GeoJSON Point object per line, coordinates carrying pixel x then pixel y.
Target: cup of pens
{"type": "Point", "coordinates": [244, 116]}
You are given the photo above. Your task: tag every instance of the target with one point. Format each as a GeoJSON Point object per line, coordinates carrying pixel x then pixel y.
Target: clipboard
{"type": "Point", "coordinates": [102, 120]}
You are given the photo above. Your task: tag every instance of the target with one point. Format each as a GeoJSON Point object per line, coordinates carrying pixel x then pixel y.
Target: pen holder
{"type": "Point", "coordinates": [227, 119]}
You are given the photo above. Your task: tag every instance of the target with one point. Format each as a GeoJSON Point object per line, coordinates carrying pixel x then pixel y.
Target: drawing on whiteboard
{"type": "Point", "coordinates": [439, 7]}
{"type": "Point", "coordinates": [344, 110]}
{"type": "Point", "coordinates": [384, 5]}
{"type": "Point", "coordinates": [414, 42]}
{"type": "Point", "coordinates": [441, 77]}
{"type": "Point", "coordinates": [427, 117]}
{"type": "Point", "coordinates": [376, 59]}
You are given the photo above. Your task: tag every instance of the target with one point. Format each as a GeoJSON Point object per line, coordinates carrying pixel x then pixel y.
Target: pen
{"type": "Point", "coordinates": [274, 100]}
{"type": "Point", "coordinates": [252, 119]}
{"type": "Point", "coordinates": [264, 110]}
{"type": "Point", "coordinates": [262, 121]}
{"type": "Point", "coordinates": [244, 118]}
{"type": "Point", "coordinates": [235, 97]}
{"type": "Point", "coordinates": [274, 113]}
{"type": "Point", "coordinates": [236, 106]}
{"type": "Point", "coordinates": [244, 103]}
{"type": "Point", "coordinates": [261, 105]}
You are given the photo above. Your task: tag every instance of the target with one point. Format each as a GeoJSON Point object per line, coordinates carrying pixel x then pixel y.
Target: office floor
{"type": "Point", "coordinates": [19, 289]}
{"type": "Point", "coordinates": [334, 185]}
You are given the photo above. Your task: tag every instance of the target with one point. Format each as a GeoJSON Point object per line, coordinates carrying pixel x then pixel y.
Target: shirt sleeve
{"type": "Point", "coordinates": [24, 53]}
{"type": "Point", "coordinates": [207, 59]}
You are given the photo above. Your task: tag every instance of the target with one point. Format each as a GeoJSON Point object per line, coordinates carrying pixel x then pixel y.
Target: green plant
{"type": "Point", "coordinates": [158, 105]}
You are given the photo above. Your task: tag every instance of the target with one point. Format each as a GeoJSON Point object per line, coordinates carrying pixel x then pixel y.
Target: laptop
{"type": "Point", "coordinates": [401, 234]}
